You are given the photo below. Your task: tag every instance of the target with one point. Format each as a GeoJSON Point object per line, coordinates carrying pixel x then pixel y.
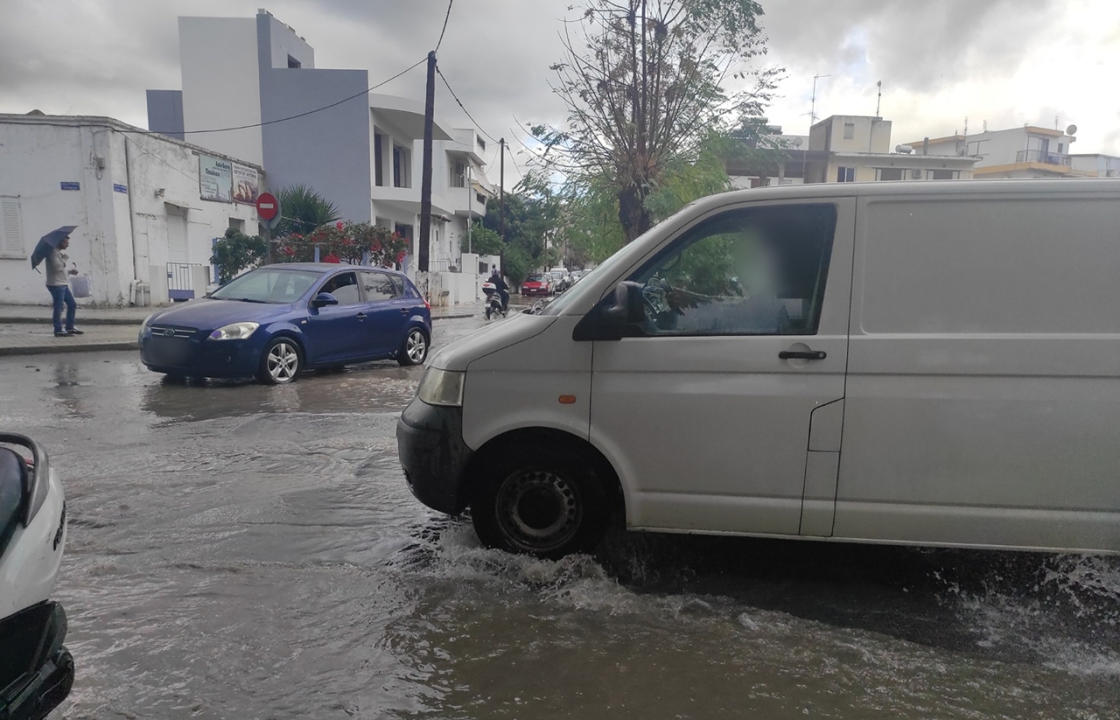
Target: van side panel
{"type": "Point", "coordinates": [983, 395]}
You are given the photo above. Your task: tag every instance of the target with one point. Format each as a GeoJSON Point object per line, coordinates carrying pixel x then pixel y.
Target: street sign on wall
{"type": "Point", "coordinates": [215, 179]}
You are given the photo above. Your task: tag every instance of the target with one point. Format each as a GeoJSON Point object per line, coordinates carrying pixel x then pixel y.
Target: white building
{"type": "Point", "coordinates": [363, 154]}
{"type": "Point", "coordinates": [1095, 165]}
{"type": "Point", "coordinates": [147, 207]}
{"type": "Point", "coordinates": [844, 148]}
{"type": "Point", "coordinates": [1026, 152]}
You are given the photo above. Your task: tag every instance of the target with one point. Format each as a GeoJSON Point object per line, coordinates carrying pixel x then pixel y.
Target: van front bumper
{"type": "Point", "coordinates": [36, 670]}
{"type": "Point", "coordinates": [433, 454]}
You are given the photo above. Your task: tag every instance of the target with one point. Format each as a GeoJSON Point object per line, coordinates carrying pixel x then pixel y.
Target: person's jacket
{"type": "Point", "coordinates": [56, 268]}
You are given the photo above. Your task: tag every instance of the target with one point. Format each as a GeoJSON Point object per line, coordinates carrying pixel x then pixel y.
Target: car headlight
{"type": "Point", "coordinates": [235, 331]}
{"type": "Point", "coordinates": [441, 387]}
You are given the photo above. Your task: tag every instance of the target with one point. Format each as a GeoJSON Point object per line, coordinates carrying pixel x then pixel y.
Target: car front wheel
{"type": "Point", "coordinates": [281, 362]}
{"type": "Point", "coordinates": [414, 348]}
{"type": "Point", "coordinates": [539, 503]}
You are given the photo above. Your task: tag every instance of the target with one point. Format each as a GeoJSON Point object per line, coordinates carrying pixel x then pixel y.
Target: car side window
{"type": "Point", "coordinates": [344, 287]}
{"type": "Point", "coordinates": [379, 286]}
{"type": "Point", "coordinates": [753, 271]}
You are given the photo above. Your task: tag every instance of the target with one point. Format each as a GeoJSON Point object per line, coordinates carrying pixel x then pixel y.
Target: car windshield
{"type": "Point", "coordinates": [268, 285]}
{"type": "Point", "coordinates": [535, 278]}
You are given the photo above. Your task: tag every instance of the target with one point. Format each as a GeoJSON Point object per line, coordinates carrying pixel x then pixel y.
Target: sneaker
{"type": "Point", "coordinates": [75, 331]}
{"type": "Point", "coordinates": [61, 333]}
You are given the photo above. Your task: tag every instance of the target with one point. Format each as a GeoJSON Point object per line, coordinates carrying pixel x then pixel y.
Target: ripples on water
{"type": "Point", "coordinates": [242, 551]}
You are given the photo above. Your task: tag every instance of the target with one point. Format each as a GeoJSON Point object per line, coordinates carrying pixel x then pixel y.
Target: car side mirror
{"type": "Point", "coordinates": [617, 316]}
{"type": "Point", "coordinates": [322, 299]}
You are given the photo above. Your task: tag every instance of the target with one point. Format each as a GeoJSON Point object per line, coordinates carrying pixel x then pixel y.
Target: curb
{"type": "Point", "coordinates": [59, 348]}
{"type": "Point", "coordinates": [82, 320]}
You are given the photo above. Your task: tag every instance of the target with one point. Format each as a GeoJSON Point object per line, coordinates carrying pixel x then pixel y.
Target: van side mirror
{"type": "Point", "coordinates": [322, 299]}
{"type": "Point", "coordinates": [617, 316]}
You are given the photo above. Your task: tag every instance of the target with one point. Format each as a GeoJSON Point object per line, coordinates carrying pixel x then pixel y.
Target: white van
{"type": "Point", "coordinates": [922, 363]}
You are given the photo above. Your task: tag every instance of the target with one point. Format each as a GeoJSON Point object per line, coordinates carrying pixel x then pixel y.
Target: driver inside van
{"type": "Point", "coordinates": [723, 284]}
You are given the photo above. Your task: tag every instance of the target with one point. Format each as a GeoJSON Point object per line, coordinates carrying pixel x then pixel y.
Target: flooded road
{"type": "Point", "coordinates": [241, 551]}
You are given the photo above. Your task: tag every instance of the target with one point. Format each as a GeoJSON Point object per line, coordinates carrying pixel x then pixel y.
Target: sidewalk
{"type": "Point", "coordinates": [26, 329]}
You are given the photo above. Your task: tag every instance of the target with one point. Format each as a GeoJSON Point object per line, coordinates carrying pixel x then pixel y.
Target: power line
{"type": "Point", "coordinates": [514, 159]}
{"type": "Point", "coordinates": [445, 17]}
{"type": "Point", "coordinates": [283, 119]}
{"type": "Point", "coordinates": [463, 107]}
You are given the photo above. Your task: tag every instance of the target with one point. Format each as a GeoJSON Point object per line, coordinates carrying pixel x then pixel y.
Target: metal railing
{"type": "Point", "coordinates": [180, 285]}
{"type": "Point", "coordinates": [1038, 156]}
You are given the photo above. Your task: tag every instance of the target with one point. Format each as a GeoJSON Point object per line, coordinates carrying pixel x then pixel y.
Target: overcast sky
{"type": "Point", "coordinates": [1004, 62]}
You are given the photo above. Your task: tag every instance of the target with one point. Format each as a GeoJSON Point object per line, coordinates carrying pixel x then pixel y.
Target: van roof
{"type": "Point", "coordinates": [1063, 186]}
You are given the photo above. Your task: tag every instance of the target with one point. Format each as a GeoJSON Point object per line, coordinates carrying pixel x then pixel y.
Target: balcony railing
{"type": "Point", "coordinates": [1038, 156]}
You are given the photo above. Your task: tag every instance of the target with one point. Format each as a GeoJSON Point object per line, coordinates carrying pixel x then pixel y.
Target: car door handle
{"type": "Point", "coordinates": [404, 311]}
{"type": "Point", "coordinates": [361, 316]}
{"type": "Point", "coordinates": [802, 355]}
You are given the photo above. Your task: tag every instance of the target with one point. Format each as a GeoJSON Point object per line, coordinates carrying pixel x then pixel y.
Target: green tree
{"type": "Point", "coordinates": [235, 252]}
{"type": "Point", "coordinates": [645, 89]}
{"type": "Point", "coordinates": [303, 210]}
{"type": "Point", "coordinates": [483, 241]}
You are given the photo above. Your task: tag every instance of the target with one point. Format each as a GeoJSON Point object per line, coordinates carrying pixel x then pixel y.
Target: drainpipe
{"type": "Point", "coordinates": [131, 228]}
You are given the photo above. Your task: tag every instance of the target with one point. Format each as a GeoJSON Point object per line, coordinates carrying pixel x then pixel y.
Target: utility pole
{"type": "Point", "coordinates": [470, 217]}
{"type": "Point", "coordinates": [502, 189]}
{"type": "Point", "coordinates": [879, 97]}
{"type": "Point", "coordinates": [426, 172]}
{"type": "Point", "coordinates": [502, 201]}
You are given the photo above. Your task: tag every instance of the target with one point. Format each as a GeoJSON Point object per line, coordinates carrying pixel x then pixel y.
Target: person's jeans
{"type": "Point", "coordinates": [61, 294]}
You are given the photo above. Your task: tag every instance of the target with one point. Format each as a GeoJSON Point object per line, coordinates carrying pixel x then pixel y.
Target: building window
{"type": "Point", "coordinates": [1061, 148]}
{"type": "Point", "coordinates": [378, 160]}
{"type": "Point", "coordinates": [481, 143]}
{"type": "Point", "coordinates": [481, 198]}
{"type": "Point", "coordinates": [845, 174]}
{"type": "Point", "coordinates": [237, 224]}
{"type": "Point", "coordinates": [294, 64]}
{"type": "Point", "coordinates": [888, 173]}
{"type": "Point", "coordinates": [458, 174]}
{"type": "Point", "coordinates": [11, 228]}
{"type": "Point", "coordinates": [915, 174]}
{"type": "Point", "coordinates": [942, 174]}
{"type": "Point", "coordinates": [402, 166]}
{"type": "Point", "coordinates": [849, 130]}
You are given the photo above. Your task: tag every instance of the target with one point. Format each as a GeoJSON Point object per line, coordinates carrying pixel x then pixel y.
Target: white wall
{"type": "Point", "coordinates": [284, 41]}
{"type": "Point", "coordinates": [112, 246]}
{"type": "Point", "coordinates": [221, 83]}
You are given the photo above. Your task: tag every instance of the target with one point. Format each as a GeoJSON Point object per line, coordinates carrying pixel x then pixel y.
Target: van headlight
{"type": "Point", "coordinates": [235, 331]}
{"type": "Point", "coordinates": [441, 387]}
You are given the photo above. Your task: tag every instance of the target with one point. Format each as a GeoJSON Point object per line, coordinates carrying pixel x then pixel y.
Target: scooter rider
{"type": "Point", "coordinates": [500, 285]}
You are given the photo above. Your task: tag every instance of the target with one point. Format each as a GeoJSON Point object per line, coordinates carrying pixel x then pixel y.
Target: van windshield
{"type": "Point", "coordinates": [623, 257]}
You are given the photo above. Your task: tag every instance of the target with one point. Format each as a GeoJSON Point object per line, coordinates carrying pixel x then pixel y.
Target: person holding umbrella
{"type": "Point", "coordinates": [50, 248]}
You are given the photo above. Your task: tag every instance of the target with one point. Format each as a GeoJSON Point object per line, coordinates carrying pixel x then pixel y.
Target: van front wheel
{"type": "Point", "coordinates": [539, 503]}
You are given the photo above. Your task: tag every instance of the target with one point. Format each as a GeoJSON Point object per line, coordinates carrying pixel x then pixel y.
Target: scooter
{"type": "Point", "coordinates": [36, 669]}
{"type": "Point", "coordinates": [493, 300]}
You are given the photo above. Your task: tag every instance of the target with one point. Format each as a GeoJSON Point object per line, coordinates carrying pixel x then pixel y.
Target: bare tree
{"type": "Point", "coordinates": [645, 84]}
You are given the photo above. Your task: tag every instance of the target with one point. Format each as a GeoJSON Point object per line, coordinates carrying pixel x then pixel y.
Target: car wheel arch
{"type": "Point", "coordinates": [550, 437]}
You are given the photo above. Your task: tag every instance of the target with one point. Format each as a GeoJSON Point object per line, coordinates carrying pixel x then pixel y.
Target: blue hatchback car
{"type": "Point", "coordinates": [278, 320]}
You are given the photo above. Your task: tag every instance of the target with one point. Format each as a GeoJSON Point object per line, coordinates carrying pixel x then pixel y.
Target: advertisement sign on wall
{"type": "Point", "coordinates": [246, 184]}
{"type": "Point", "coordinates": [215, 179]}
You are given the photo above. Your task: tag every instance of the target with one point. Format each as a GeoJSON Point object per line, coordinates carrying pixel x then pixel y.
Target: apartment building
{"type": "Point", "coordinates": [1026, 152]}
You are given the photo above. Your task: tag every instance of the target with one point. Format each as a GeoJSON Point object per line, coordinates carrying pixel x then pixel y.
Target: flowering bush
{"type": "Point", "coordinates": [344, 242]}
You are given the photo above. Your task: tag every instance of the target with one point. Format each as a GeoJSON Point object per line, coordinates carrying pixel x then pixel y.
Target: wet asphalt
{"type": "Point", "coordinates": [242, 551]}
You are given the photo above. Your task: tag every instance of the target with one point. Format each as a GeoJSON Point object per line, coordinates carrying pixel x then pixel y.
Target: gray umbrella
{"type": "Point", "coordinates": [49, 242]}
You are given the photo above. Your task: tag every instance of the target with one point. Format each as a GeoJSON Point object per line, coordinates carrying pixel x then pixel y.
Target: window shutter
{"type": "Point", "coordinates": [11, 228]}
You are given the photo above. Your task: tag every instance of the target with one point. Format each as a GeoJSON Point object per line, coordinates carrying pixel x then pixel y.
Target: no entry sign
{"type": "Point", "coordinates": [268, 207]}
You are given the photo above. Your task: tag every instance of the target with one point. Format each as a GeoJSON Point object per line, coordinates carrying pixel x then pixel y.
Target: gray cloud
{"type": "Point", "coordinates": [98, 56]}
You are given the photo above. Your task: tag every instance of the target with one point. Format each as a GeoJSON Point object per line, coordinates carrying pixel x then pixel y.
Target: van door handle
{"type": "Point", "coordinates": [802, 355]}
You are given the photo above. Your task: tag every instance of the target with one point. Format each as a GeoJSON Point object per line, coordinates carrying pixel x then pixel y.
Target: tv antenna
{"type": "Point", "coordinates": [813, 106]}
{"type": "Point", "coordinates": [878, 97]}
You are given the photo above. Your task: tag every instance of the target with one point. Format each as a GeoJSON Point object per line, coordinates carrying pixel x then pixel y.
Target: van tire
{"type": "Point", "coordinates": [541, 502]}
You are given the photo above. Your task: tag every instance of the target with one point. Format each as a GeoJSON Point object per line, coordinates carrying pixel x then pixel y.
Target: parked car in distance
{"type": "Point", "coordinates": [537, 284]}
{"type": "Point", "coordinates": [278, 320]}
{"type": "Point", "coordinates": [910, 363]}
{"type": "Point", "coordinates": [561, 279]}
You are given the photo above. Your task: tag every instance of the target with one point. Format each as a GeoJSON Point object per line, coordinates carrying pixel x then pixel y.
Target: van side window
{"type": "Point", "coordinates": [754, 271]}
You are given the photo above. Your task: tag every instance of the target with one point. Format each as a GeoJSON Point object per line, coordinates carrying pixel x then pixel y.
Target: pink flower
{"type": "Point", "coordinates": [338, 226]}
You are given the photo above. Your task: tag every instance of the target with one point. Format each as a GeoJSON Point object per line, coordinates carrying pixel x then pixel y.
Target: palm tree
{"type": "Point", "coordinates": [303, 210]}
